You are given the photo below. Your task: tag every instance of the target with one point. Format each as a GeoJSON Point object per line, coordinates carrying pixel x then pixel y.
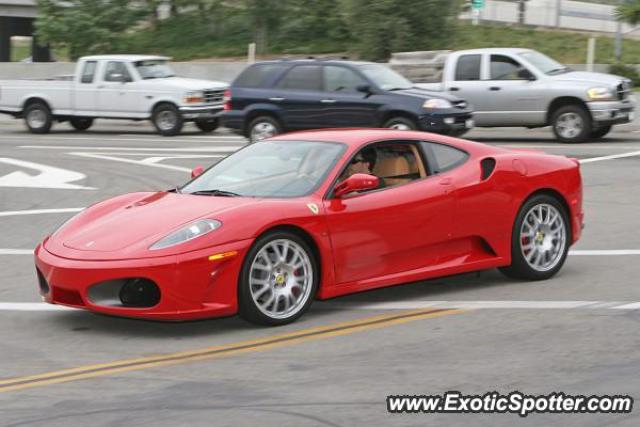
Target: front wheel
{"type": "Point", "coordinates": [400, 123]}
{"type": "Point", "coordinates": [572, 123]}
{"type": "Point", "coordinates": [278, 280]}
{"type": "Point", "coordinates": [167, 120]}
{"type": "Point", "coordinates": [81, 124]}
{"type": "Point", "coordinates": [600, 132]}
{"type": "Point", "coordinates": [263, 127]}
{"type": "Point", "coordinates": [207, 125]}
{"type": "Point", "coordinates": [38, 117]}
{"type": "Point", "coordinates": [540, 239]}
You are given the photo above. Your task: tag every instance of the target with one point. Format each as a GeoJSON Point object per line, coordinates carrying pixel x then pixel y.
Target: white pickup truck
{"type": "Point", "coordinates": [136, 87]}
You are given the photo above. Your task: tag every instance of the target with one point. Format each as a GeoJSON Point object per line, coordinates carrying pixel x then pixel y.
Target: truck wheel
{"type": "Point", "coordinates": [167, 120]}
{"type": "Point", "coordinates": [81, 123]}
{"type": "Point", "coordinates": [38, 117]}
{"type": "Point", "coordinates": [207, 125]}
{"type": "Point", "coordinates": [400, 123]}
{"type": "Point", "coordinates": [572, 123]}
{"type": "Point", "coordinates": [263, 127]}
{"type": "Point", "coordinates": [600, 132]}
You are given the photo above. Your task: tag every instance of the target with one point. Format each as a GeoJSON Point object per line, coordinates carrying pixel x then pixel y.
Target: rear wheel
{"type": "Point", "coordinates": [572, 123]}
{"type": "Point", "coordinates": [81, 123]}
{"type": "Point", "coordinates": [600, 132]}
{"type": "Point", "coordinates": [263, 127]}
{"type": "Point", "coordinates": [38, 117]}
{"type": "Point", "coordinates": [400, 123]}
{"type": "Point", "coordinates": [278, 280]}
{"type": "Point", "coordinates": [167, 120]}
{"type": "Point", "coordinates": [207, 125]}
{"type": "Point", "coordinates": [540, 239]}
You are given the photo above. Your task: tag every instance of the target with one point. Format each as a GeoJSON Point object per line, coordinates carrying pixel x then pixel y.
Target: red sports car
{"type": "Point", "coordinates": [313, 215]}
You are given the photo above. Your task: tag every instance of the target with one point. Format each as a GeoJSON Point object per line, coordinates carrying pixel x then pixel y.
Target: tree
{"type": "Point", "coordinates": [263, 16]}
{"type": "Point", "coordinates": [629, 12]}
{"type": "Point", "coordinates": [87, 26]}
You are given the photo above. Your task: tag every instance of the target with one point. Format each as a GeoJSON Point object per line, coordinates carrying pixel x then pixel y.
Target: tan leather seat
{"type": "Point", "coordinates": [388, 167]}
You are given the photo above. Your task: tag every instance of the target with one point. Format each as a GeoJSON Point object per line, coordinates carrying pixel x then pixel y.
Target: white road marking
{"type": "Point", "coordinates": [158, 159]}
{"type": "Point", "coordinates": [31, 306]}
{"type": "Point", "coordinates": [16, 251]}
{"type": "Point", "coordinates": [631, 306]}
{"type": "Point", "coordinates": [139, 139]}
{"type": "Point", "coordinates": [49, 176]}
{"type": "Point", "coordinates": [39, 211]}
{"type": "Point", "coordinates": [613, 252]}
{"type": "Point", "coordinates": [611, 157]}
{"type": "Point", "coordinates": [568, 147]}
{"type": "Point", "coordinates": [135, 162]}
{"type": "Point", "coordinates": [221, 149]}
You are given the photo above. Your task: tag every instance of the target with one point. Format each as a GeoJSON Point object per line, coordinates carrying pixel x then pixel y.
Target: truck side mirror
{"type": "Point", "coordinates": [364, 88]}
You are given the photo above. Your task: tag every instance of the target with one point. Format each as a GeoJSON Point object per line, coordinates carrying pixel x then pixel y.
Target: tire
{"type": "Point", "coordinates": [571, 123]}
{"type": "Point", "coordinates": [541, 238]}
{"type": "Point", "coordinates": [167, 120]}
{"type": "Point", "coordinates": [81, 124]}
{"type": "Point", "coordinates": [400, 123]}
{"type": "Point", "coordinates": [266, 304]}
{"type": "Point", "coordinates": [263, 127]}
{"type": "Point", "coordinates": [207, 125]}
{"type": "Point", "coordinates": [38, 117]}
{"type": "Point", "coordinates": [600, 132]}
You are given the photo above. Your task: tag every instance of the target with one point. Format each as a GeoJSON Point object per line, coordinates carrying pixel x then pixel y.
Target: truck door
{"type": "Point", "coordinates": [84, 92]}
{"type": "Point", "coordinates": [116, 91]}
{"type": "Point", "coordinates": [298, 95]}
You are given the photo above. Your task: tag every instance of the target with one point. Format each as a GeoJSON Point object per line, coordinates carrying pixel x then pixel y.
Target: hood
{"type": "Point", "coordinates": [589, 77]}
{"type": "Point", "coordinates": [186, 84]}
{"type": "Point", "coordinates": [140, 223]}
{"type": "Point", "coordinates": [427, 94]}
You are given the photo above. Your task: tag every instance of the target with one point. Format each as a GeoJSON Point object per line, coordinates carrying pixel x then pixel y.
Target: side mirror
{"type": "Point", "coordinates": [356, 182]}
{"type": "Point", "coordinates": [196, 172]}
{"type": "Point", "coordinates": [525, 74]}
{"type": "Point", "coordinates": [364, 88]}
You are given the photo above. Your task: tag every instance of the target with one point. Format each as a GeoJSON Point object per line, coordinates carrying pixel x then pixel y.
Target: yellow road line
{"type": "Point", "coordinates": [261, 344]}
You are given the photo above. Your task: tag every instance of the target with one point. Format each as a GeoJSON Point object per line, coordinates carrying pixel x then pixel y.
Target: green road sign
{"type": "Point", "coordinates": [477, 4]}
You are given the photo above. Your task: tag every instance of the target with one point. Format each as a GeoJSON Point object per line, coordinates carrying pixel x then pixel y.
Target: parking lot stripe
{"type": "Point", "coordinates": [39, 211]}
{"type": "Point", "coordinates": [261, 344]}
{"type": "Point", "coordinates": [611, 252]}
{"type": "Point", "coordinates": [16, 251]}
{"type": "Point", "coordinates": [611, 157]}
{"type": "Point", "coordinates": [144, 149]}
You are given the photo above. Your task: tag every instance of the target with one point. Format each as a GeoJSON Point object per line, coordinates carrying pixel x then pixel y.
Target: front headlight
{"type": "Point", "coordinates": [196, 97]}
{"type": "Point", "coordinates": [188, 232]}
{"type": "Point", "coordinates": [600, 93]}
{"type": "Point", "coordinates": [436, 103]}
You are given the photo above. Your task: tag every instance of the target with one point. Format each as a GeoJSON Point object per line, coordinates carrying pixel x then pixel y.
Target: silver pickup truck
{"type": "Point", "coordinates": [523, 87]}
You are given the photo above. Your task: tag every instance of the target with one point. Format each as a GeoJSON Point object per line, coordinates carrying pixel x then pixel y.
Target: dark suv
{"type": "Point", "coordinates": [278, 96]}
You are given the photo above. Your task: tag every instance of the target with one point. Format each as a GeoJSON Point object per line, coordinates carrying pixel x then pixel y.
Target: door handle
{"type": "Point", "coordinates": [494, 88]}
{"type": "Point", "coordinates": [276, 99]}
{"type": "Point", "coordinates": [328, 101]}
{"type": "Point", "coordinates": [454, 89]}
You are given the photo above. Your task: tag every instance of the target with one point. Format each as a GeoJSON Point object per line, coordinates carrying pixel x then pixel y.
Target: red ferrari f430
{"type": "Point", "coordinates": [311, 215]}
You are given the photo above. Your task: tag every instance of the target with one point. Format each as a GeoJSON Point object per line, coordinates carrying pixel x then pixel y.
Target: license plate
{"type": "Point", "coordinates": [469, 123]}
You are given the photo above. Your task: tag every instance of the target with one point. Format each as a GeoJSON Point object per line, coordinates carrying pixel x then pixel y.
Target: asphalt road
{"type": "Point", "coordinates": [577, 333]}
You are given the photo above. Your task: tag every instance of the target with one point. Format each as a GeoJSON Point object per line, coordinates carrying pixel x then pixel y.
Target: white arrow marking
{"type": "Point", "coordinates": [49, 176]}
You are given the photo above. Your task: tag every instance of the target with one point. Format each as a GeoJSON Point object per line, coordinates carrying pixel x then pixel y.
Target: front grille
{"type": "Point", "coordinates": [212, 96]}
{"type": "Point", "coordinates": [623, 90]}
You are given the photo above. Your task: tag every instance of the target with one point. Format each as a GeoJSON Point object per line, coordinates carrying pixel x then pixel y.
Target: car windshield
{"type": "Point", "coordinates": [543, 63]}
{"type": "Point", "coordinates": [385, 78]}
{"type": "Point", "coordinates": [154, 69]}
{"type": "Point", "coordinates": [269, 169]}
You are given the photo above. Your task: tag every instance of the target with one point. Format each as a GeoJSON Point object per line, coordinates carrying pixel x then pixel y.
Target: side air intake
{"type": "Point", "coordinates": [488, 165]}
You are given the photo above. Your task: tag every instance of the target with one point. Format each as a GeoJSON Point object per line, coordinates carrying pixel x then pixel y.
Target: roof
{"type": "Point", "coordinates": [496, 50]}
{"type": "Point", "coordinates": [131, 58]}
{"type": "Point", "coordinates": [314, 61]}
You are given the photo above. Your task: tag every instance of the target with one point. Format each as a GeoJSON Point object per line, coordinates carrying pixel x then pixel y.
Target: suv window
{"type": "Point", "coordinates": [257, 75]}
{"type": "Point", "coordinates": [303, 77]}
{"type": "Point", "coordinates": [341, 79]}
{"type": "Point", "coordinates": [113, 70]}
{"type": "Point", "coordinates": [88, 72]}
{"type": "Point", "coordinates": [468, 67]}
{"type": "Point", "coordinates": [506, 68]}
{"type": "Point", "coordinates": [443, 157]}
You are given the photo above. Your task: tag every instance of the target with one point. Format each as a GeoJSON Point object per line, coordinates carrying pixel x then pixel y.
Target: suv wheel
{"type": "Point", "coordinates": [400, 123]}
{"type": "Point", "coordinates": [263, 127]}
{"type": "Point", "coordinates": [167, 120]}
{"type": "Point", "coordinates": [572, 123]}
{"type": "Point", "coordinates": [38, 117]}
{"type": "Point", "coordinates": [81, 124]}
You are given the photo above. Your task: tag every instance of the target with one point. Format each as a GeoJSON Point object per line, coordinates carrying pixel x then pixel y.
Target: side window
{"type": "Point", "coordinates": [443, 157]}
{"type": "Point", "coordinates": [394, 162]}
{"type": "Point", "coordinates": [468, 67]}
{"type": "Point", "coordinates": [116, 72]}
{"type": "Point", "coordinates": [341, 79]}
{"type": "Point", "coordinates": [303, 77]}
{"type": "Point", "coordinates": [506, 68]}
{"type": "Point", "coordinates": [259, 75]}
{"type": "Point", "coordinates": [88, 72]}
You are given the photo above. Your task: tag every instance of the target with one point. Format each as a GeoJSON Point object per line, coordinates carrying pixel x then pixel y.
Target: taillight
{"type": "Point", "coordinates": [226, 98]}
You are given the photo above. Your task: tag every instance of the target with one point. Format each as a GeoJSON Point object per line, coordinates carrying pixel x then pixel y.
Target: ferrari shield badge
{"type": "Point", "coordinates": [313, 208]}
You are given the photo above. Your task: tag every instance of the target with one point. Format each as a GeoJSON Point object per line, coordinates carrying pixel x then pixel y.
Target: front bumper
{"type": "Point", "coordinates": [446, 122]}
{"type": "Point", "coordinates": [612, 112]}
{"type": "Point", "coordinates": [232, 119]}
{"type": "Point", "coordinates": [191, 286]}
{"type": "Point", "coordinates": [201, 112]}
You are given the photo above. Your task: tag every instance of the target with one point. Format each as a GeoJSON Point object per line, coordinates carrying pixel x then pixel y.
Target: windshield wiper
{"type": "Point", "coordinates": [558, 70]}
{"type": "Point", "coordinates": [221, 193]}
